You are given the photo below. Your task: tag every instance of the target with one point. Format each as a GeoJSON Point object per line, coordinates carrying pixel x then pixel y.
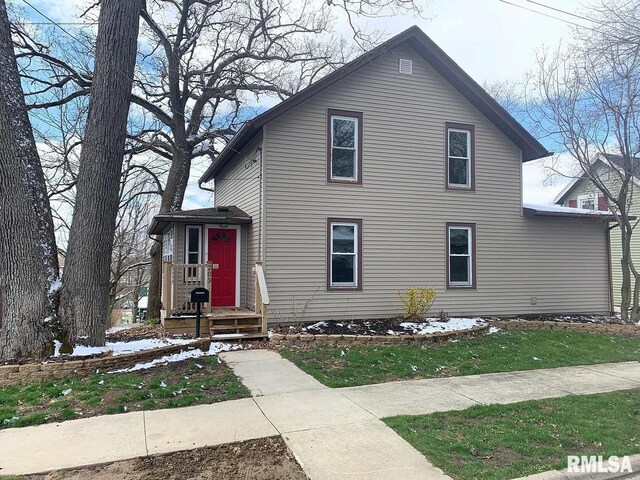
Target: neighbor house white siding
{"type": "Point", "coordinates": [404, 208]}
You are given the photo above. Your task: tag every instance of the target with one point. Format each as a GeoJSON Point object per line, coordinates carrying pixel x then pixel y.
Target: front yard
{"type": "Point", "coordinates": [180, 384]}
{"type": "Point", "coordinates": [499, 442]}
{"type": "Point", "coordinates": [500, 352]}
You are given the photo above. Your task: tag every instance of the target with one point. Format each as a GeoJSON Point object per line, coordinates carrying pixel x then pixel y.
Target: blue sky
{"type": "Point", "coordinates": [490, 39]}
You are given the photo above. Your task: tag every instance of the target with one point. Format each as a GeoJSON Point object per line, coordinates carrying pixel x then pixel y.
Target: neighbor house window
{"type": "Point", "coordinates": [460, 156]}
{"type": "Point", "coordinates": [461, 255]}
{"type": "Point", "coordinates": [344, 146]}
{"type": "Point", "coordinates": [167, 246]}
{"type": "Point", "coordinates": [588, 202]}
{"type": "Point", "coordinates": [344, 260]}
{"type": "Point", "coordinates": [193, 249]}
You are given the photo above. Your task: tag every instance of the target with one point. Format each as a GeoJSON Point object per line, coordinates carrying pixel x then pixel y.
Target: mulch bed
{"type": "Point", "coordinates": [386, 326]}
{"type": "Point", "coordinates": [262, 459]}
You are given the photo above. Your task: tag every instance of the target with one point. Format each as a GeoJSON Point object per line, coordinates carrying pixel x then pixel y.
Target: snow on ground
{"type": "Point", "coordinates": [216, 347]}
{"type": "Point", "coordinates": [432, 325]}
{"type": "Point", "coordinates": [122, 348]}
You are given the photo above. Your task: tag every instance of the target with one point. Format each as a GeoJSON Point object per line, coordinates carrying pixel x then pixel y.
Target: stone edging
{"type": "Point", "coordinates": [607, 328]}
{"type": "Point", "coordinates": [305, 340]}
{"type": "Point", "coordinates": [35, 372]}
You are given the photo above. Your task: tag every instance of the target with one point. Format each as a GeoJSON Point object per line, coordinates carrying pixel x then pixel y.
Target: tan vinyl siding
{"type": "Point", "coordinates": [404, 208]}
{"type": "Point", "coordinates": [239, 184]}
{"type": "Point", "coordinates": [612, 181]}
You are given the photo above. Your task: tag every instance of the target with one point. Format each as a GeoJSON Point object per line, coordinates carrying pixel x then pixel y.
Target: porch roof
{"type": "Point", "coordinates": [216, 215]}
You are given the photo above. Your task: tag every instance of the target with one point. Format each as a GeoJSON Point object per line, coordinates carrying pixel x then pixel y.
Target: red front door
{"type": "Point", "coordinates": [222, 253]}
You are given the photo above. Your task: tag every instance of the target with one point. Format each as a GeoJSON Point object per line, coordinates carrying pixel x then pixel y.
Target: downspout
{"type": "Point", "coordinates": [610, 269]}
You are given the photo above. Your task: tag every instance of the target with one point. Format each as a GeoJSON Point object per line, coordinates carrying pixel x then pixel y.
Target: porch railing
{"type": "Point", "coordinates": [262, 295]}
{"type": "Point", "coordinates": [178, 281]}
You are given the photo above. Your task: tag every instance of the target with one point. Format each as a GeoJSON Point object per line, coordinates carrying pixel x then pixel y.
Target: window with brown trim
{"type": "Point", "coordinates": [461, 255]}
{"type": "Point", "coordinates": [460, 163]}
{"type": "Point", "coordinates": [344, 146]}
{"type": "Point", "coordinates": [344, 254]}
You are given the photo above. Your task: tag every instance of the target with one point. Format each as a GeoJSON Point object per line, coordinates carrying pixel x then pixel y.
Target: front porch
{"type": "Point", "coordinates": [179, 314]}
{"type": "Point", "coordinates": [211, 248]}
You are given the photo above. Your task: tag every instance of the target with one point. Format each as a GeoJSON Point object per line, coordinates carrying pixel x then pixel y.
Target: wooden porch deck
{"type": "Point", "coordinates": [223, 323]}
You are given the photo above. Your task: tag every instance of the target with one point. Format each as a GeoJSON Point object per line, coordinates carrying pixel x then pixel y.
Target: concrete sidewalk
{"type": "Point", "coordinates": [337, 434]}
{"type": "Point", "coordinates": [334, 433]}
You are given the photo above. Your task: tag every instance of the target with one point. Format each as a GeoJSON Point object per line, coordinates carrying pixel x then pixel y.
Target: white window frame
{"type": "Point", "coordinates": [356, 253]}
{"type": "Point", "coordinates": [189, 275]}
{"type": "Point", "coordinates": [168, 239]}
{"type": "Point", "coordinates": [467, 158]}
{"type": "Point", "coordinates": [588, 196]}
{"type": "Point", "coordinates": [469, 255]}
{"type": "Point", "coordinates": [354, 177]}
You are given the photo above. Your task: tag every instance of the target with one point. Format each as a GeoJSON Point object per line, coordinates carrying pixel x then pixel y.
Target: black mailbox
{"type": "Point", "coordinates": [199, 295]}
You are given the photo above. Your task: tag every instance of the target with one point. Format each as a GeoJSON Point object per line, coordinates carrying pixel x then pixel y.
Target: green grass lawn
{"type": "Point", "coordinates": [191, 382]}
{"type": "Point", "coordinates": [500, 352]}
{"type": "Point", "coordinates": [495, 442]}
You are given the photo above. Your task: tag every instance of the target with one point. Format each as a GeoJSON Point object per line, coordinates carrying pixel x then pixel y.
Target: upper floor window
{"type": "Point", "coordinates": [344, 261]}
{"type": "Point", "coordinates": [344, 146]}
{"type": "Point", "coordinates": [460, 161]}
{"type": "Point", "coordinates": [461, 255]}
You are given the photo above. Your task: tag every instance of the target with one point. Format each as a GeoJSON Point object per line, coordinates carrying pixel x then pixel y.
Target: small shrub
{"type": "Point", "coordinates": [416, 301]}
{"type": "Point", "coordinates": [443, 316]}
{"type": "Point", "coordinates": [152, 321]}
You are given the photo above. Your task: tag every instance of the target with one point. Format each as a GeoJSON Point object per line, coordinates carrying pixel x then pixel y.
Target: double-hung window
{"type": "Point", "coordinates": [344, 261]}
{"type": "Point", "coordinates": [460, 153]}
{"type": "Point", "coordinates": [344, 146]}
{"type": "Point", "coordinates": [167, 245]}
{"type": "Point", "coordinates": [193, 250]}
{"type": "Point", "coordinates": [461, 255]}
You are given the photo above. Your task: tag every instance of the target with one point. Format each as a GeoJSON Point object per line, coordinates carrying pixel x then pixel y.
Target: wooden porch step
{"type": "Point", "coordinates": [227, 328]}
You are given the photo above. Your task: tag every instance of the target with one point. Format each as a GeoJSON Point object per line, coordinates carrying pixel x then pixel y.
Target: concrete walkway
{"type": "Point", "coordinates": [337, 434]}
{"type": "Point", "coordinates": [334, 433]}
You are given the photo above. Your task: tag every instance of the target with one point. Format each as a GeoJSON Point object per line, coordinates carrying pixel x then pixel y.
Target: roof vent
{"type": "Point", "coordinates": [223, 209]}
{"type": "Point", "coordinates": [405, 66]}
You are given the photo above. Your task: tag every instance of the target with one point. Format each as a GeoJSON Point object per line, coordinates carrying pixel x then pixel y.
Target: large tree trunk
{"type": "Point", "coordinates": [84, 298]}
{"type": "Point", "coordinates": [28, 257]}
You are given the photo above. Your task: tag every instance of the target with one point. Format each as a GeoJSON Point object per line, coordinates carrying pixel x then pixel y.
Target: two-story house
{"type": "Point", "coordinates": [395, 170]}
{"type": "Point", "coordinates": [582, 193]}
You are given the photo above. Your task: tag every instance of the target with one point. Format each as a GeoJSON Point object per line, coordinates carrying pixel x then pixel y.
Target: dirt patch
{"type": "Point", "coordinates": [263, 459]}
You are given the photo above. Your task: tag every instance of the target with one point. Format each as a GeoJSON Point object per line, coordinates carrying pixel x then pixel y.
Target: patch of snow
{"type": "Point", "coordinates": [316, 326]}
{"type": "Point", "coordinates": [122, 348]}
{"type": "Point", "coordinates": [228, 335]}
{"type": "Point", "coordinates": [101, 382]}
{"type": "Point", "coordinates": [66, 392]}
{"type": "Point", "coordinates": [432, 325]}
{"type": "Point", "coordinates": [216, 347]}
{"type": "Point", "coordinates": [414, 368]}
{"type": "Point", "coordinates": [569, 210]}
{"type": "Point", "coordinates": [493, 330]}
{"type": "Point", "coordinates": [536, 359]}
{"type": "Point", "coordinates": [162, 384]}
{"type": "Point", "coordinates": [9, 421]}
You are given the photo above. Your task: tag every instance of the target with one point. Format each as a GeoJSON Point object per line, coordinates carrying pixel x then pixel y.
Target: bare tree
{"type": "Point", "coordinates": [84, 297]}
{"type": "Point", "coordinates": [28, 257]}
{"type": "Point", "coordinates": [588, 97]}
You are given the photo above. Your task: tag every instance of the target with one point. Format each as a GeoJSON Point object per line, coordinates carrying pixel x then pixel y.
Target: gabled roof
{"type": "Point", "coordinates": [216, 215]}
{"type": "Point", "coordinates": [432, 54]}
{"type": "Point", "coordinates": [608, 160]}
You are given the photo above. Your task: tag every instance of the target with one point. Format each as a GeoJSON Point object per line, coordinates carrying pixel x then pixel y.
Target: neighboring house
{"type": "Point", "coordinates": [395, 170]}
{"type": "Point", "coordinates": [582, 193]}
